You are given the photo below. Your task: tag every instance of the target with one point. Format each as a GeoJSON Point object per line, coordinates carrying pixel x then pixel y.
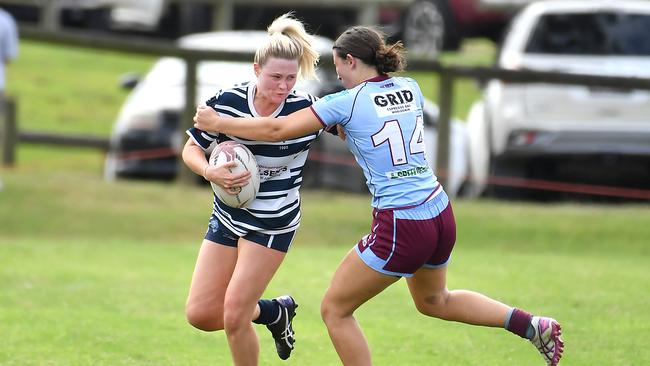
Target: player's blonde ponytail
{"type": "Point", "coordinates": [289, 40]}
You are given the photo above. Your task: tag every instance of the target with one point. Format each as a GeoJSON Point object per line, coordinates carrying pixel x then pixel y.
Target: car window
{"type": "Point", "coordinates": [603, 33]}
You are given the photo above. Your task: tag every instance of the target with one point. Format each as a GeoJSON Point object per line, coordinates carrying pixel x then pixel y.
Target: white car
{"type": "Point", "coordinates": [567, 133]}
{"type": "Point", "coordinates": [148, 134]}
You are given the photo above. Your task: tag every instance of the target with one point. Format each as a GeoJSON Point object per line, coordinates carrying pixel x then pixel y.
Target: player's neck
{"type": "Point", "coordinates": [265, 109]}
{"type": "Point", "coordinates": [264, 106]}
{"type": "Point", "coordinates": [365, 73]}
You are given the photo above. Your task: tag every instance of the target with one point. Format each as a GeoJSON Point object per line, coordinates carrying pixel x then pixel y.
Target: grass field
{"type": "Point", "coordinates": [69, 90]}
{"type": "Point", "coordinates": [96, 273]}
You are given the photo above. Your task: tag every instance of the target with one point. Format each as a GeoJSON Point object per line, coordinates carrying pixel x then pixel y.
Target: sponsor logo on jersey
{"type": "Point", "coordinates": [267, 172]}
{"type": "Point", "coordinates": [398, 174]}
{"type": "Point", "coordinates": [393, 102]}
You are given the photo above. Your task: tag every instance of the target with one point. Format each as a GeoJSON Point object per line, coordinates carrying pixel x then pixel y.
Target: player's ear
{"type": "Point", "coordinates": [350, 59]}
{"type": "Point", "coordinates": [257, 69]}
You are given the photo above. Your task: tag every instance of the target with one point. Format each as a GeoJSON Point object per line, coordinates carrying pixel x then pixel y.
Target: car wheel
{"type": "Point", "coordinates": [504, 169]}
{"type": "Point", "coordinates": [428, 29]}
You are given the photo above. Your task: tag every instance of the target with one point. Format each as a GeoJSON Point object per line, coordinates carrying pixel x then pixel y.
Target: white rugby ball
{"type": "Point", "coordinates": [229, 151]}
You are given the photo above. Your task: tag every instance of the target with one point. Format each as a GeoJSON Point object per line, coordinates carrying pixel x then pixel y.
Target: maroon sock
{"type": "Point", "coordinates": [519, 322]}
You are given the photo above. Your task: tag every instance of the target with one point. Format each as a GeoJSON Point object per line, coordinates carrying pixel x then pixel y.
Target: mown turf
{"type": "Point", "coordinates": [96, 273]}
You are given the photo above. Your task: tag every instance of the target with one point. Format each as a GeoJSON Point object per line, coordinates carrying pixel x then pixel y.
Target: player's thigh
{"type": "Point", "coordinates": [353, 284]}
{"type": "Point", "coordinates": [256, 265]}
{"type": "Point", "coordinates": [212, 273]}
{"type": "Point", "coordinates": [428, 284]}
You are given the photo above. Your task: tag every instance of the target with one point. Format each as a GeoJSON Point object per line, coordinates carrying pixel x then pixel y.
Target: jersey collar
{"type": "Point", "coordinates": [252, 87]}
{"type": "Point", "coordinates": [378, 78]}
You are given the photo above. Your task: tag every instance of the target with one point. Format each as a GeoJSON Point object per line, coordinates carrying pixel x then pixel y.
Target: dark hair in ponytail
{"type": "Point", "coordinates": [368, 45]}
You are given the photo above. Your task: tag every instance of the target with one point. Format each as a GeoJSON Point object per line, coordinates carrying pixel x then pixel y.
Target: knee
{"type": "Point", "coordinates": [329, 312]}
{"type": "Point", "coordinates": [433, 304]}
{"type": "Point", "coordinates": [204, 319]}
{"type": "Point", "coordinates": [325, 311]}
{"type": "Point", "coordinates": [234, 318]}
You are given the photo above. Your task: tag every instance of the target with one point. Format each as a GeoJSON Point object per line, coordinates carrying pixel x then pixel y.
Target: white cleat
{"type": "Point", "coordinates": [547, 339]}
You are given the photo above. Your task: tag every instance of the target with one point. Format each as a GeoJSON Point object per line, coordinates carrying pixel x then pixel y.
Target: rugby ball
{"type": "Point", "coordinates": [229, 151]}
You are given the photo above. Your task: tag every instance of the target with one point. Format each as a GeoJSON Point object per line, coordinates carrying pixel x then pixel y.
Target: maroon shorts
{"type": "Point", "coordinates": [405, 240]}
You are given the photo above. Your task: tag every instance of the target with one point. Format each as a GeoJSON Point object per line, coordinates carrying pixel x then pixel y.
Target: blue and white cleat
{"type": "Point", "coordinates": [282, 329]}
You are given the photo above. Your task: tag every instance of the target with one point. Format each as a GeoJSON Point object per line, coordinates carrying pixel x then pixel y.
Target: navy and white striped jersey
{"type": "Point", "coordinates": [276, 209]}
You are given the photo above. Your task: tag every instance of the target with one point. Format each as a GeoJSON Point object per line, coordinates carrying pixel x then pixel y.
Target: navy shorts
{"type": "Point", "coordinates": [222, 235]}
{"type": "Point", "coordinates": [405, 240]}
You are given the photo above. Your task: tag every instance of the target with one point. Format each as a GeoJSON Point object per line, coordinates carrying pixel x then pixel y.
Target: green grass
{"type": "Point", "coordinates": [69, 89]}
{"type": "Point", "coordinates": [96, 273]}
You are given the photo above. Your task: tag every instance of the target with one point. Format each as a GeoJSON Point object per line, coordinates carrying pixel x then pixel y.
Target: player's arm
{"type": "Point", "coordinates": [194, 157]}
{"type": "Point", "coordinates": [299, 123]}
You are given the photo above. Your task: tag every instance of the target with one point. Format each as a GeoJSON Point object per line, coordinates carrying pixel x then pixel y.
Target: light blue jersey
{"type": "Point", "coordinates": [383, 121]}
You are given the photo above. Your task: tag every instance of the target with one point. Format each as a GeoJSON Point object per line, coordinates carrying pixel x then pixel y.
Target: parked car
{"type": "Point", "coordinates": [55, 14]}
{"type": "Point", "coordinates": [505, 4]}
{"type": "Point", "coordinates": [157, 18]}
{"type": "Point", "coordinates": [568, 133]}
{"type": "Point", "coordinates": [148, 133]}
{"type": "Point", "coordinates": [431, 26]}
{"type": "Point", "coordinates": [426, 26]}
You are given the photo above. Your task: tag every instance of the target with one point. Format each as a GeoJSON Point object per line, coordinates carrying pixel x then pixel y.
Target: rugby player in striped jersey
{"type": "Point", "coordinates": [243, 247]}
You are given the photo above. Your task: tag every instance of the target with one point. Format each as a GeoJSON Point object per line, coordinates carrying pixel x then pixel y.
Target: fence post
{"type": "Point", "coordinates": [445, 100]}
{"type": "Point", "coordinates": [185, 175]}
{"type": "Point", "coordinates": [50, 14]}
{"type": "Point", "coordinates": [8, 130]}
{"type": "Point", "coordinates": [223, 15]}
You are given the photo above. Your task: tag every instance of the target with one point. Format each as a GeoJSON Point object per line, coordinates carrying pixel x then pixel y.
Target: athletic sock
{"type": "Point", "coordinates": [269, 312]}
{"type": "Point", "coordinates": [519, 323]}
